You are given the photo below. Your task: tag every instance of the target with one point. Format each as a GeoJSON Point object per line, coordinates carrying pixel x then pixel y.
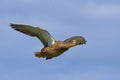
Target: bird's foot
{"type": "Point", "coordinates": [48, 58]}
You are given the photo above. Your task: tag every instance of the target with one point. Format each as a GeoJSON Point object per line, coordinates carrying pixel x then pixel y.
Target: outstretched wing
{"type": "Point", "coordinates": [43, 35]}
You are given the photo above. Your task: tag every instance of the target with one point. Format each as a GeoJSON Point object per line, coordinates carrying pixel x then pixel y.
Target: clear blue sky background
{"type": "Point", "coordinates": [97, 20]}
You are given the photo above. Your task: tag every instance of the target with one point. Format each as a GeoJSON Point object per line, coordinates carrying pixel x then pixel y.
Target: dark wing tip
{"type": "Point", "coordinates": [12, 25]}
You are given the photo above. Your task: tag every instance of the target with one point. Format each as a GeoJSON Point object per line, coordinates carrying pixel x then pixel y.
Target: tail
{"type": "Point", "coordinates": [38, 54]}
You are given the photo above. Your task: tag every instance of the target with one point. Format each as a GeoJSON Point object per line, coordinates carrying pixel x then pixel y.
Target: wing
{"type": "Point", "coordinates": [43, 35]}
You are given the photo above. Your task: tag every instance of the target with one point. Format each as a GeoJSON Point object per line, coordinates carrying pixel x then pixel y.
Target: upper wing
{"type": "Point", "coordinates": [43, 35]}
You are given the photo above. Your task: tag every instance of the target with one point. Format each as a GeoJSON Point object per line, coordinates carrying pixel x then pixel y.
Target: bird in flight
{"type": "Point", "coordinates": [52, 48]}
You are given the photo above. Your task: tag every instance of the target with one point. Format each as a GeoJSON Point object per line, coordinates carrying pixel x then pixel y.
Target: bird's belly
{"type": "Point", "coordinates": [53, 52]}
{"type": "Point", "coordinates": [57, 52]}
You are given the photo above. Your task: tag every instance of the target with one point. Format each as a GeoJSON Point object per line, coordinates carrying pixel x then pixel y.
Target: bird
{"type": "Point", "coordinates": [52, 47]}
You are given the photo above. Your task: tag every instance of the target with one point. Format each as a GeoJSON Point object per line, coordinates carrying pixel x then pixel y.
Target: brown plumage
{"type": "Point", "coordinates": [52, 48]}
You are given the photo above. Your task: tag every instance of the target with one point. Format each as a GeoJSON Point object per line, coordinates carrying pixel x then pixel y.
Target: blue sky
{"type": "Point", "coordinates": [97, 20]}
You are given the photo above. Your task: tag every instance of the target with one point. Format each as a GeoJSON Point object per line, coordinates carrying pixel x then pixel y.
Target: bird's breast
{"type": "Point", "coordinates": [54, 50]}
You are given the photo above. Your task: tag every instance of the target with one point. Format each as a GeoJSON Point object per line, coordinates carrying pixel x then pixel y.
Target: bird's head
{"type": "Point", "coordinates": [76, 40]}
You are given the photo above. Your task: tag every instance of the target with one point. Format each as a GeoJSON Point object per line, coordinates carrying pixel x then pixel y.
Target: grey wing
{"type": "Point", "coordinates": [43, 35]}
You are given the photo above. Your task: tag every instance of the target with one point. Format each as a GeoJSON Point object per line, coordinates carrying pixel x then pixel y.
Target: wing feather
{"type": "Point", "coordinates": [43, 35]}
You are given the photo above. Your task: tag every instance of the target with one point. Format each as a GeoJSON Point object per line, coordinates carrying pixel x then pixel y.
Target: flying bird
{"type": "Point", "coordinates": [52, 48]}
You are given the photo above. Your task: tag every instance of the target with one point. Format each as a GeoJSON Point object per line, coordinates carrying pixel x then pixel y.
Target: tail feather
{"type": "Point", "coordinates": [38, 54]}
